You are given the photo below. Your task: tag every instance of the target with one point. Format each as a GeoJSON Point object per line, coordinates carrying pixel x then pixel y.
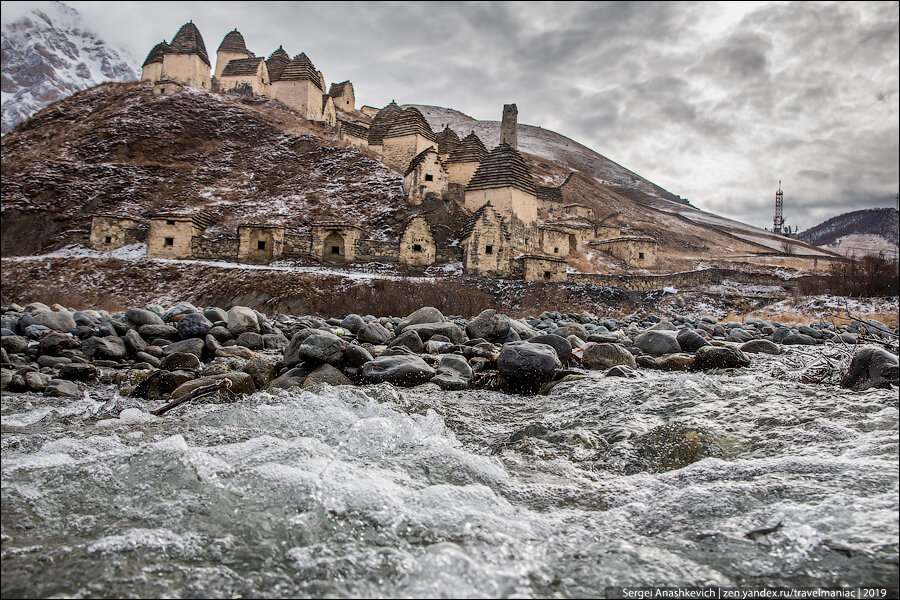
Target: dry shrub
{"type": "Point", "coordinates": [399, 298]}
{"type": "Point", "coordinates": [867, 277]}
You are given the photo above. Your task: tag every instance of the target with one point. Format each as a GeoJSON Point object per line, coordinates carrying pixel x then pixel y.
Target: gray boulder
{"type": "Point", "coordinates": [526, 366]}
{"type": "Point", "coordinates": [871, 367]}
{"type": "Point", "coordinates": [192, 346]}
{"type": "Point", "coordinates": [353, 323]}
{"type": "Point", "coordinates": [321, 346]}
{"type": "Point", "coordinates": [398, 370]}
{"type": "Point", "coordinates": [409, 339]}
{"type": "Point", "coordinates": [104, 348]}
{"type": "Point", "coordinates": [657, 343]}
{"type": "Point", "coordinates": [241, 319]}
{"type": "Point", "coordinates": [180, 360]}
{"type": "Point", "coordinates": [426, 314]}
{"type": "Point", "coordinates": [293, 378]}
{"type": "Point", "coordinates": [215, 315]}
{"type": "Point", "coordinates": [427, 330]}
{"type": "Point", "coordinates": [690, 341]}
{"type": "Point", "coordinates": [453, 373]}
{"type": "Point", "coordinates": [356, 356]}
{"type": "Point", "coordinates": [760, 347]}
{"type": "Point", "coordinates": [261, 369]}
{"type": "Point", "coordinates": [374, 333]}
{"type": "Point", "coordinates": [326, 374]}
{"type": "Point", "coordinates": [58, 321]}
{"type": "Point", "coordinates": [562, 345]}
{"type": "Point", "coordinates": [134, 342]}
{"type": "Point", "coordinates": [604, 356]}
{"type": "Point", "coordinates": [14, 344]}
{"type": "Point", "coordinates": [798, 339]}
{"type": "Point", "coordinates": [52, 343]}
{"type": "Point", "coordinates": [179, 310]}
{"type": "Point", "coordinates": [490, 325]}
{"type": "Point", "coordinates": [194, 325]}
{"type": "Point", "coordinates": [61, 388]}
{"type": "Point", "coordinates": [251, 340]}
{"type": "Point", "coordinates": [720, 357]}
{"type": "Point", "coordinates": [151, 332]}
{"type": "Point", "coordinates": [139, 316]}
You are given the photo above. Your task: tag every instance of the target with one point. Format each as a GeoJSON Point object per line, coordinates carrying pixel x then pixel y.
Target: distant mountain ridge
{"type": "Point", "coordinates": [882, 222]}
{"type": "Point", "coordinates": [48, 54]}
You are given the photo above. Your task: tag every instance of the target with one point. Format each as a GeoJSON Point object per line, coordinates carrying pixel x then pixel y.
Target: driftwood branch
{"type": "Point", "coordinates": [194, 394]}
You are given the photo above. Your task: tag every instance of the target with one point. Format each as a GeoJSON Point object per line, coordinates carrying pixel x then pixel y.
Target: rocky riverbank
{"type": "Point", "coordinates": [182, 352]}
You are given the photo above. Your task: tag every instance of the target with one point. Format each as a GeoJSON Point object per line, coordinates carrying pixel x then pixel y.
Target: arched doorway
{"type": "Point", "coordinates": [333, 249]}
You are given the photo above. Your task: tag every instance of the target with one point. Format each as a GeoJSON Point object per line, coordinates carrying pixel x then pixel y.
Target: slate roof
{"type": "Point", "coordinates": [418, 158]}
{"type": "Point", "coordinates": [410, 122]}
{"type": "Point", "coordinates": [555, 259]}
{"type": "Point", "coordinates": [623, 238]}
{"type": "Point", "coordinates": [550, 194]}
{"type": "Point", "coordinates": [233, 42]}
{"type": "Point", "coordinates": [276, 63]}
{"type": "Point", "coordinates": [382, 122]}
{"type": "Point", "coordinates": [157, 53]}
{"type": "Point", "coordinates": [447, 140]}
{"type": "Point", "coordinates": [189, 41]}
{"type": "Point", "coordinates": [503, 167]}
{"type": "Point", "coordinates": [301, 69]}
{"type": "Point", "coordinates": [357, 130]}
{"type": "Point", "coordinates": [470, 149]}
{"type": "Point", "coordinates": [477, 216]}
{"type": "Point", "coordinates": [242, 66]}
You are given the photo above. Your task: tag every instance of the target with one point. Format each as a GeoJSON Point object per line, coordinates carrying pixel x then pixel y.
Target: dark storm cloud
{"type": "Point", "coordinates": [715, 102]}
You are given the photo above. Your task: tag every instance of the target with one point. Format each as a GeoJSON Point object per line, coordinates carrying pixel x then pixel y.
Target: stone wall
{"type": "Point", "coordinates": [555, 242]}
{"type": "Point", "coordinates": [297, 245]}
{"type": "Point", "coordinates": [448, 254]}
{"type": "Point", "coordinates": [258, 84]}
{"type": "Point", "coordinates": [303, 96]}
{"type": "Point", "coordinates": [606, 232]}
{"type": "Point", "coordinates": [540, 269]}
{"type": "Point", "coordinates": [109, 233]}
{"type": "Point", "coordinates": [506, 201]}
{"type": "Point", "coordinates": [636, 252]}
{"type": "Point", "coordinates": [332, 243]}
{"type": "Point", "coordinates": [152, 72]}
{"type": "Point", "coordinates": [684, 279]}
{"type": "Point", "coordinates": [186, 69]}
{"type": "Point", "coordinates": [171, 237]}
{"type": "Point", "coordinates": [417, 246]}
{"type": "Point", "coordinates": [220, 248]}
{"type": "Point", "coordinates": [377, 251]}
{"type": "Point", "coordinates": [260, 244]}
{"type": "Point", "coordinates": [461, 173]}
{"type": "Point", "coordinates": [429, 177]}
{"type": "Point", "coordinates": [485, 251]}
{"type": "Point", "coordinates": [397, 152]}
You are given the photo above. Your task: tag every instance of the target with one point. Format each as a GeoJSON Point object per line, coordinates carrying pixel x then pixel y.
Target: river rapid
{"type": "Point", "coordinates": [676, 479]}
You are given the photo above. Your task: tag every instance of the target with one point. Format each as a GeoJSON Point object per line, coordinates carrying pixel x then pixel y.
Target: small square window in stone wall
{"type": "Point", "coordinates": [169, 242]}
{"type": "Point", "coordinates": [489, 250]}
{"type": "Point", "coordinates": [261, 245]}
{"type": "Point", "coordinates": [429, 178]}
{"type": "Point", "coordinates": [417, 248]}
{"type": "Point", "coordinates": [640, 256]}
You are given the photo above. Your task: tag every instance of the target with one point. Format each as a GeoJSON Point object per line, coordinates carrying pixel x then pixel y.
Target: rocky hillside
{"type": "Point", "coordinates": [118, 148]}
{"type": "Point", "coordinates": [860, 232]}
{"type": "Point", "coordinates": [49, 54]}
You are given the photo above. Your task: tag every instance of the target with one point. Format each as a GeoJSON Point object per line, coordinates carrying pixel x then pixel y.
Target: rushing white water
{"type": "Point", "coordinates": [663, 480]}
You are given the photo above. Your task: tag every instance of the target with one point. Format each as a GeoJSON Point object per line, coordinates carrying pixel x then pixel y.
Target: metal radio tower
{"type": "Point", "coordinates": [779, 208]}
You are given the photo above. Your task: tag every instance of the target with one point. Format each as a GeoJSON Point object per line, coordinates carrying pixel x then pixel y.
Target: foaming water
{"type": "Point", "coordinates": [672, 479]}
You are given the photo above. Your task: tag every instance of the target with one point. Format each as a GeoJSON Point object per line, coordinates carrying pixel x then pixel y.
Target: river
{"type": "Point", "coordinates": [678, 479]}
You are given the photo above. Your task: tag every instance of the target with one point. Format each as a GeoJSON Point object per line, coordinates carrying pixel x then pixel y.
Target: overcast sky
{"type": "Point", "coordinates": [713, 101]}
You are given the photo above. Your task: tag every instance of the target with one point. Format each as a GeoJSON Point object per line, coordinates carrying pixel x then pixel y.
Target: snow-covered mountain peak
{"type": "Point", "coordinates": [48, 53]}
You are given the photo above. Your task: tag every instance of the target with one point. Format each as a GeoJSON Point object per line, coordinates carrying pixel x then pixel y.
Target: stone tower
{"type": "Point", "coordinates": [508, 126]}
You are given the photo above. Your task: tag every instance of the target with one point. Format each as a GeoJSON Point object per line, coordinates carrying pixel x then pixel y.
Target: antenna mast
{"type": "Point", "coordinates": [778, 225]}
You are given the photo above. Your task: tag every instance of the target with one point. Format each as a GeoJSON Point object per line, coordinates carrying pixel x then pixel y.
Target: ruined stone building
{"type": "Point", "coordinates": [469, 205]}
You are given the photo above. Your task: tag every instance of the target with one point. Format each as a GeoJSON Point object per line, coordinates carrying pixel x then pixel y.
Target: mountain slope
{"type": "Point", "coordinates": [858, 233]}
{"type": "Point", "coordinates": [48, 55]}
{"type": "Point", "coordinates": [118, 148]}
